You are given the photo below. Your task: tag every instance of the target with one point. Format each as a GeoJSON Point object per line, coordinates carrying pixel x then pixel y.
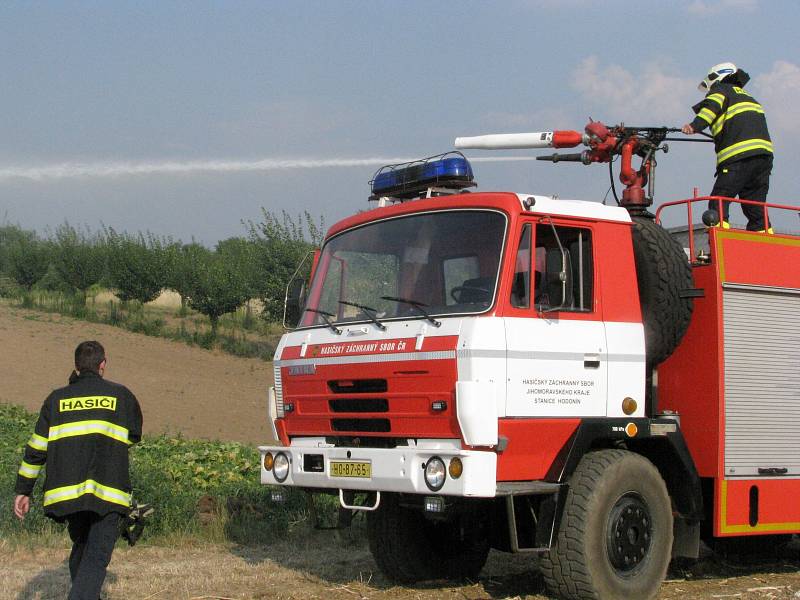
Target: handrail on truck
{"type": "Point", "coordinates": [719, 200]}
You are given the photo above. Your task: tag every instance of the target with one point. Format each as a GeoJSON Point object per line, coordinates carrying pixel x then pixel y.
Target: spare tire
{"type": "Point", "coordinates": [664, 277]}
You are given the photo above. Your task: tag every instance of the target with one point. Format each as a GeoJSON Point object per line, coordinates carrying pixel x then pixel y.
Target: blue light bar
{"type": "Point", "coordinates": [450, 170]}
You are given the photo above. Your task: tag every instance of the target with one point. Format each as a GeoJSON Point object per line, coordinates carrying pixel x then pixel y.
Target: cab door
{"type": "Point", "coordinates": [557, 354]}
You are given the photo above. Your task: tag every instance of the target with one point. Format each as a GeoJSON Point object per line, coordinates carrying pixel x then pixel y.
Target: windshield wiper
{"type": "Point", "coordinates": [416, 305]}
{"type": "Point", "coordinates": [369, 311]}
{"type": "Point", "coordinates": [326, 317]}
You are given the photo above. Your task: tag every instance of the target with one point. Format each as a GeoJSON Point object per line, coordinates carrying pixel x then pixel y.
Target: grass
{"type": "Point", "coordinates": [240, 333]}
{"type": "Point", "coordinates": [202, 490]}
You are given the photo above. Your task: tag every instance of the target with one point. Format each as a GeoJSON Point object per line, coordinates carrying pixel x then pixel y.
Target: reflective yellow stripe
{"type": "Point", "coordinates": [38, 442]}
{"type": "Point", "coordinates": [28, 470]}
{"type": "Point", "coordinates": [718, 98]}
{"type": "Point", "coordinates": [745, 146]}
{"type": "Point", "coordinates": [740, 107]}
{"type": "Point", "coordinates": [71, 492]}
{"type": "Point", "coordinates": [87, 428]}
{"type": "Point", "coordinates": [707, 115]}
{"type": "Point", "coordinates": [734, 110]}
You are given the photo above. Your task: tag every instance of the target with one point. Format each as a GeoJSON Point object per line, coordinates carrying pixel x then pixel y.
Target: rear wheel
{"type": "Point", "coordinates": [615, 538]}
{"type": "Point", "coordinates": [408, 547]}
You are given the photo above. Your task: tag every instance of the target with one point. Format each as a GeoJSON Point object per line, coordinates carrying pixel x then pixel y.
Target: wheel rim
{"type": "Point", "coordinates": [629, 533]}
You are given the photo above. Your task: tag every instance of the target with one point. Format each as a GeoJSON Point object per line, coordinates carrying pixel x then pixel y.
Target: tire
{"type": "Point", "coordinates": [409, 548]}
{"type": "Point", "coordinates": [663, 273]}
{"type": "Point", "coordinates": [613, 495]}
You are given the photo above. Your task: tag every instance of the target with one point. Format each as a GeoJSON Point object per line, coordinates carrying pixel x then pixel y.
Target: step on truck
{"type": "Point", "coordinates": [479, 370]}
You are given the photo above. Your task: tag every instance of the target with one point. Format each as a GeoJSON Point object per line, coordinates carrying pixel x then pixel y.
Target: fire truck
{"type": "Point", "coordinates": [494, 370]}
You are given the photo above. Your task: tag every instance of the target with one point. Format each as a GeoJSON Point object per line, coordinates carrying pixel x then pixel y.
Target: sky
{"type": "Point", "coordinates": [186, 119]}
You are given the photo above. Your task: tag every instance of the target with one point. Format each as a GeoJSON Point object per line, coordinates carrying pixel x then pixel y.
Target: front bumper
{"type": "Point", "coordinates": [398, 469]}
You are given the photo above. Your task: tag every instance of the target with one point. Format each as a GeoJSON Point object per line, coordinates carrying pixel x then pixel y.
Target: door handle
{"type": "Point", "coordinates": [591, 361]}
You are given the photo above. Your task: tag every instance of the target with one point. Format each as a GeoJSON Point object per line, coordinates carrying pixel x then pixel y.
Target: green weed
{"type": "Point", "coordinates": [201, 489]}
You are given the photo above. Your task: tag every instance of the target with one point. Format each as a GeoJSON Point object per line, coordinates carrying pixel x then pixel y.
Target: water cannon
{"type": "Point", "coordinates": [581, 157]}
{"type": "Point", "coordinates": [520, 141]}
{"type": "Point", "coordinates": [603, 143]}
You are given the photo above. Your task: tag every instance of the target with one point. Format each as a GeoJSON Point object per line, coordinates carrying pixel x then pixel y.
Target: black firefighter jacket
{"type": "Point", "coordinates": [82, 436]}
{"type": "Point", "coordinates": [737, 121]}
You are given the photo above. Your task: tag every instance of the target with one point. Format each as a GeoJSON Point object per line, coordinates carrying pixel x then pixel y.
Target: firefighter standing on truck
{"type": "Point", "coordinates": [82, 436]}
{"type": "Point", "coordinates": [741, 141]}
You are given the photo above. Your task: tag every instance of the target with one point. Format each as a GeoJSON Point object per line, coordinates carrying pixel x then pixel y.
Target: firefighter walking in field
{"type": "Point", "coordinates": [82, 436]}
{"type": "Point", "coordinates": [741, 141]}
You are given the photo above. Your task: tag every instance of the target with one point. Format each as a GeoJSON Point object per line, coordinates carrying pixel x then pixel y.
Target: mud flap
{"type": "Point", "coordinates": [686, 538]}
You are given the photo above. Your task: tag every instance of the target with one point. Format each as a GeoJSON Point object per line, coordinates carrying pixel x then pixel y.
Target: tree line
{"type": "Point", "coordinates": [138, 266]}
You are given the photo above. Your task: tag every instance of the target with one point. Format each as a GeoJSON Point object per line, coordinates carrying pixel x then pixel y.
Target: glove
{"type": "Point", "coordinates": [132, 524]}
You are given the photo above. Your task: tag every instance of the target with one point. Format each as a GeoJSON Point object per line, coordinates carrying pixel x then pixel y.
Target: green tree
{"type": "Point", "coordinates": [9, 235]}
{"type": "Point", "coordinates": [79, 257]}
{"type": "Point", "coordinates": [180, 268]}
{"type": "Point", "coordinates": [28, 259]}
{"type": "Point", "coordinates": [217, 283]}
{"type": "Point", "coordinates": [138, 265]}
{"type": "Point", "coordinates": [279, 244]}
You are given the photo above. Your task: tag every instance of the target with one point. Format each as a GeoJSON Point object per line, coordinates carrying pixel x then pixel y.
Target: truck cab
{"type": "Point", "coordinates": [440, 327]}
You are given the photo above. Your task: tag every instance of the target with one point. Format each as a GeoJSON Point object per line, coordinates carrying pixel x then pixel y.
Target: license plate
{"type": "Point", "coordinates": [361, 469]}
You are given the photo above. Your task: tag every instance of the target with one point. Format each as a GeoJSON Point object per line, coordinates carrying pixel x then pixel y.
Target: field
{"type": "Point", "coordinates": [204, 394]}
{"type": "Point", "coordinates": [181, 388]}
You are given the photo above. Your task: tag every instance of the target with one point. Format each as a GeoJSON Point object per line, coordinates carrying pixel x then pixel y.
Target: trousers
{"type": "Point", "coordinates": [93, 537]}
{"type": "Point", "coordinates": [749, 180]}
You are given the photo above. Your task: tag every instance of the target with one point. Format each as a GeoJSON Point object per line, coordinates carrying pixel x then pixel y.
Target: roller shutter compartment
{"type": "Point", "coordinates": [762, 381]}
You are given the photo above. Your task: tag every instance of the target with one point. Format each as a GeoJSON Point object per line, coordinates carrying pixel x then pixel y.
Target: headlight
{"type": "Point", "coordinates": [435, 473]}
{"type": "Point", "coordinates": [280, 467]}
{"type": "Point", "coordinates": [268, 461]}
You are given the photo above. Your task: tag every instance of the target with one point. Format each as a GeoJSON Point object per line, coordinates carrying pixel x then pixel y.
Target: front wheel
{"type": "Point", "coordinates": [409, 548]}
{"type": "Point", "coordinates": [615, 538]}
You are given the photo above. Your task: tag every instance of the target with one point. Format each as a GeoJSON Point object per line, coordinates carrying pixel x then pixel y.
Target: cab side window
{"type": "Point", "coordinates": [564, 272]}
{"type": "Point", "coordinates": [520, 287]}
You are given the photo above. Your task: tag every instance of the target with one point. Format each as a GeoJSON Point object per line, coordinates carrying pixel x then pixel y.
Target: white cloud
{"type": "Point", "coordinates": [778, 91]}
{"type": "Point", "coordinates": [709, 8]}
{"type": "Point", "coordinates": [651, 97]}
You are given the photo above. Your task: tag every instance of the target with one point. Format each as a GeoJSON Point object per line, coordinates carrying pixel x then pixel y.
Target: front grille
{"type": "Point", "coordinates": [279, 408]}
{"type": "Point", "coordinates": [359, 405]}
{"type": "Point", "coordinates": [358, 386]}
{"type": "Point", "coordinates": [366, 425]}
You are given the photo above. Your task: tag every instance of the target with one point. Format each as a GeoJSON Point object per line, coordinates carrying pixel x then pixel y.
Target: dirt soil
{"type": "Point", "coordinates": [197, 392]}
{"type": "Point", "coordinates": [213, 395]}
{"type": "Point", "coordinates": [329, 566]}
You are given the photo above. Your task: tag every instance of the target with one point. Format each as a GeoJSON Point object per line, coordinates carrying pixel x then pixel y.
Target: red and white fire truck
{"type": "Point", "coordinates": [533, 374]}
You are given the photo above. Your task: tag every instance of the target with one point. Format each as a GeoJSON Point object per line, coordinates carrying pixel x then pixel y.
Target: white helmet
{"type": "Point", "coordinates": [717, 73]}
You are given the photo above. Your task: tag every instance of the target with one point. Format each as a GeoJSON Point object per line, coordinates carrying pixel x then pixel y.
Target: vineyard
{"type": "Point", "coordinates": [230, 296]}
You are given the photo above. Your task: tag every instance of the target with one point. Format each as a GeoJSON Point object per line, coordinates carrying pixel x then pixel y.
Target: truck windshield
{"type": "Point", "coordinates": [445, 262]}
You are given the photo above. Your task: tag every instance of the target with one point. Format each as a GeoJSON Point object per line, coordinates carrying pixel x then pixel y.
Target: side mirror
{"type": "Point", "coordinates": [295, 301]}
